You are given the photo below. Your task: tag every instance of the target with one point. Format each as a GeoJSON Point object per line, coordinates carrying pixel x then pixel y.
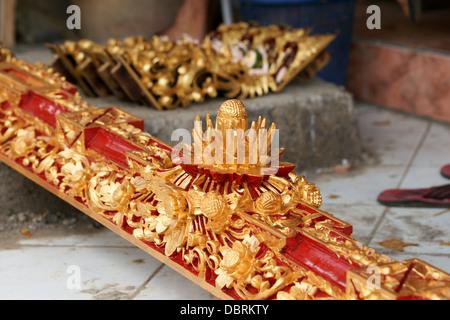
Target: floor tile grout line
{"type": "Point", "coordinates": [414, 155]}
{"type": "Point", "coordinates": [142, 286]}
{"type": "Point", "coordinates": [377, 225]}
{"type": "Point", "coordinates": [405, 173]}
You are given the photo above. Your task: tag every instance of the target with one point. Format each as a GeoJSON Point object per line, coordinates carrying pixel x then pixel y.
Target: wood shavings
{"type": "Point", "coordinates": [441, 212]}
{"type": "Point", "coordinates": [396, 244]}
{"type": "Point", "coordinates": [26, 232]}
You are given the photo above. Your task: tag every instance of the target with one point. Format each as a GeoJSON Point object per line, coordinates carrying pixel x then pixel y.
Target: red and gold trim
{"type": "Point", "coordinates": [237, 235]}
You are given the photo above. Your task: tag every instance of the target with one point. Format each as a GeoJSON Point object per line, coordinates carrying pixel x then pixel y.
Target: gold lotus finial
{"type": "Point", "coordinates": [231, 145]}
{"type": "Point", "coordinates": [232, 115]}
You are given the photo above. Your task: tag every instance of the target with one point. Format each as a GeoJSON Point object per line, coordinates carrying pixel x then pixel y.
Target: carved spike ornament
{"type": "Point", "coordinates": [234, 229]}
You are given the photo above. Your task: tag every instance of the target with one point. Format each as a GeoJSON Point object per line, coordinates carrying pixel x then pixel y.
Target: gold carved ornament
{"type": "Point", "coordinates": [235, 228]}
{"type": "Point", "coordinates": [236, 61]}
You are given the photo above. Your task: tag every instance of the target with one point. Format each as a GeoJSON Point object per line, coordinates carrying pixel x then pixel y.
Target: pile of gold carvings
{"type": "Point", "coordinates": [236, 61]}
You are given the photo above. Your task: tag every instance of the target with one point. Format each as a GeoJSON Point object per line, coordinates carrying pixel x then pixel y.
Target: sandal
{"type": "Point", "coordinates": [435, 197]}
{"type": "Point", "coordinates": [445, 171]}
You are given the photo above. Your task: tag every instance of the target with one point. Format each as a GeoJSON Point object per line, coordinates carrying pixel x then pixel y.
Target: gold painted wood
{"type": "Point", "coordinates": [235, 228]}
{"type": "Point", "coordinates": [236, 61]}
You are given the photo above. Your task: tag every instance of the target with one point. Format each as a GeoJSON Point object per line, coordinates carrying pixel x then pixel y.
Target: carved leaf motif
{"type": "Point", "coordinates": [396, 244]}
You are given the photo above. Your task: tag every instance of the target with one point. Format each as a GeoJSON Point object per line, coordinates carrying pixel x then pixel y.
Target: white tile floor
{"type": "Point", "coordinates": [405, 151]}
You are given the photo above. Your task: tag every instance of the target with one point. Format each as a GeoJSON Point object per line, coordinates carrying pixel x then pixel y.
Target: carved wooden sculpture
{"type": "Point", "coordinates": [235, 228]}
{"type": "Point", "coordinates": [237, 61]}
